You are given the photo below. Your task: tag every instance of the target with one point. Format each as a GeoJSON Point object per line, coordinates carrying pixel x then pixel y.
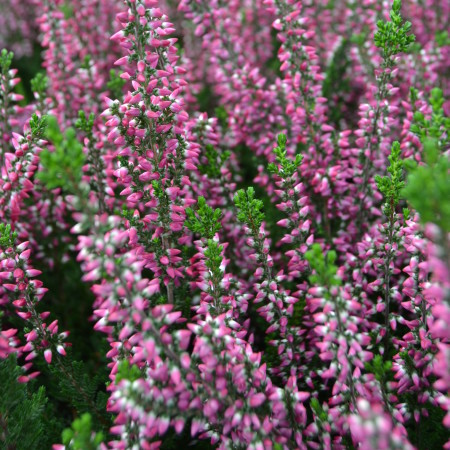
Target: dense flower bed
{"type": "Point", "coordinates": [225, 224]}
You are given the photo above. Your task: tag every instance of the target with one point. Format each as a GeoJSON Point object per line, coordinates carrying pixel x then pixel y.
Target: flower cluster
{"type": "Point", "coordinates": [19, 289]}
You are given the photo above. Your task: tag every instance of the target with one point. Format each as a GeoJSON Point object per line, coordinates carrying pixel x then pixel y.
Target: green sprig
{"type": "Point", "coordinates": [7, 236]}
{"type": "Point", "coordinates": [323, 267]}
{"type": "Point", "coordinates": [6, 60]}
{"type": "Point", "coordinates": [391, 186]}
{"type": "Point", "coordinates": [435, 132]}
{"type": "Point", "coordinates": [428, 192]}
{"type": "Point", "coordinates": [394, 36]}
{"type": "Point", "coordinates": [215, 162]}
{"type": "Point", "coordinates": [81, 436]}
{"type": "Point", "coordinates": [125, 371]}
{"type": "Point", "coordinates": [203, 220]}
{"type": "Point", "coordinates": [38, 125]}
{"type": "Point", "coordinates": [428, 189]}
{"type": "Point", "coordinates": [250, 209]}
{"type": "Point", "coordinates": [115, 84]}
{"type": "Point", "coordinates": [39, 84]}
{"type": "Point", "coordinates": [61, 168]}
{"type": "Point", "coordinates": [286, 167]}
{"type": "Point", "coordinates": [213, 254]}
{"type": "Point", "coordinates": [84, 123]}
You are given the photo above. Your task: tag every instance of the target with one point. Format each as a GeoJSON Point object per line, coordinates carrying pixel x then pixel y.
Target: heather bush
{"type": "Point", "coordinates": [224, 224]}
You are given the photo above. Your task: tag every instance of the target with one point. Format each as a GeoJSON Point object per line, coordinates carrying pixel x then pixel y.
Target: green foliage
{"type": "Point", "coordinates": [318, 410]}
{"type": "Point", "coordinates": [215, 162]}
{"type": "Point", "coordinates": [28, 66]}
{"type": "Point", "coordinates": [249, 163]}
{"type": "Point", "coordinates": [393, 37]}
{"type": "Point", "coordinates": [81, 390]}
{"type": "Point", "coordinates": [222, 116]}
{"type": "Point", "coordinates": [5, 60]}
{"type": "Point", "coordinates": [204, 220]}
{"type": "Point", "coordinates": [415, 48]}
{"type": "Point", "coordinates": [38, 126]}
{"type": "Point", "coordinates": [158, 190]}
{"type": "Point", "coordinates": [126, 371]}
{"type": "Point", "coordinates": [409, 363]}
{"type": "Point", "coordinates": [274, 63]}
{"type": "Point", "coordinates": [430, 433]}
{"type": "Point", "coordinates": [86, 64]}
{"type": "Point", "coordinates": [205, 100]}
{"type": "Point", "coordinates": [380, 369]}
{"type": "Point", "coordinates": [299, 311]}
{"type": "Point", "coordinates": [434, 133]}
{"type": "Point", "coordinates": [66, 292]}
{"type": "Point", "coordinates": [391, 186]}
{"type": "Point", "coordinates": [84, 123]}
{"type": "Point", "coordinates": [442, 38]}
{"type": "Point", "coordinates": [428, 189]}
{"type": "Point", "coordinates": [115, 84]}
{"type": "Point", "coordinates": [39, 84]}
{"type": "Point", "coordinates": [358, 38]}
{"type": "Point", "coordinates": [80, 436]}
{"type": "Point", "coordinates": [414, 95]}
{"type": "Point", "coordinates": [406, 213]}
{"type": "Point", "coordinates": [7, 236]}
{"type": "Point", "coordinates": [323, 266]}
{"type": "Point", "coordinates": [286, 167]}
{"type": "Point", "coordinates": [213, 254]}
{"type": "Point", "coordinates": [336, 83]}
{"type": "Point", "coordinates": [23, 413]}
{"type": "Point", "coordinates": [428, 192]}
{"type": "Point", "coordinates": [67, 9]}
{"type": "Point", "coordinates": [250, 209]}
{"type": "Point", "coordinates": [62, 168]}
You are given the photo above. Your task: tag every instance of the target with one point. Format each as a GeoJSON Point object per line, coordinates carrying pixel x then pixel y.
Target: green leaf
{"type": "Point", "coordinates": [323, 267]}
{"type": "Point", "coordinates": [250, 209]}
{"type": "Point", "coordinates": [81, 436]}
{"type": "Point", "coordinates": [390, 186]}
{"type": "Point", "coordinates": [39, 84]}
{"type": "Point", "coordinates": [427, 189]}
{"type": "Point", "coordinates": [115, 84]}
{"type": "Point", "coordinates": [85, 123]}
{"type": "Point", "coordinates": [7, 236]}
{"type": "Point", "coordinates": [62, 168]}
{"type": "Point", "coordinates": [125, 371]}
{"type": "Point", "coordinates": [5, 60]}
{"type": "Point", "coordinates": [392, 37]}
{"type": "Point", "coordinates": [286, 167]}
{"type": "Point", "coordinates": [428, 192]}
{"type": "Point", "coordinates": [203, 220]}
{"type": "Point", "coordinates": [215, 162]}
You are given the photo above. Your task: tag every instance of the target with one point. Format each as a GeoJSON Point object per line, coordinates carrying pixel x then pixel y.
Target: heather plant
{"type": "Point", "coordinates": [25, 415]}
{"type": "Point", "coordinates": [390, 186]}
{"type": "Point", "coordinates": [224, 225]}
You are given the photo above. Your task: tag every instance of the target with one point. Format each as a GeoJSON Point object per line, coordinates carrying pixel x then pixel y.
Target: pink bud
{"type": "Point", "coordinates": [257, 400]}
{"type": "Point", "coordinates": [140, 10]}
{"type": "Point", "coordinates": [48, 355]}
{"type": "Point", "coordinates": [61, 350]}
